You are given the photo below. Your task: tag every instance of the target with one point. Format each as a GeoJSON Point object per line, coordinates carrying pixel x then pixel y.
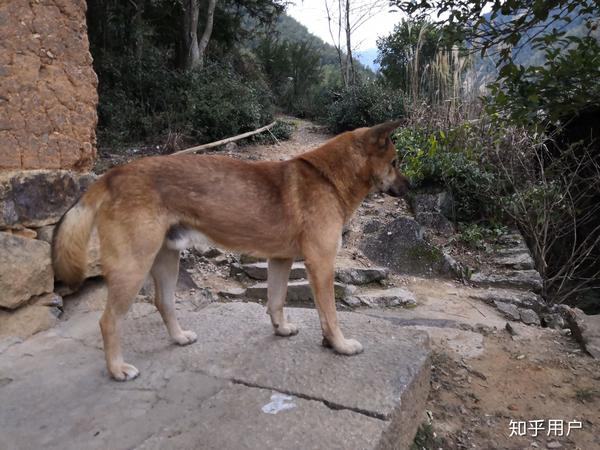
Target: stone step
{"type": "Point", "coordinates": [232, 293]}
{"type": "Point", "coordinates": [348, 275]}
{"type": "Point", "coordinates": [298, 291]}
{"type": "Point", "coordinates": [516, 261]}
{"type": "Point", "coordinates": [512, 251]}
{"type": "Point", "coordinates": [382, 298]}
{"type": "Point", "coordinates": [516, 279]}
{"type": "Point", "coordinates": [259, 270]}
{"type": "Point", "coordinates": [512, 239]}
{"type": "Point", "coordinates": [521, 299]}
{"type": "Point", "coordinates": [233, 379]}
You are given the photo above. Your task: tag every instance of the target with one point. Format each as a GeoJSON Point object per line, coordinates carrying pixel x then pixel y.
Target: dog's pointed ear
{"type": "Point", "coordinates": [379, 133]}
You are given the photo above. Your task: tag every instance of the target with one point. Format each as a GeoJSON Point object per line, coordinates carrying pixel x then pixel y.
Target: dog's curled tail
{"type": "Point", "coordinates": [72, 234]}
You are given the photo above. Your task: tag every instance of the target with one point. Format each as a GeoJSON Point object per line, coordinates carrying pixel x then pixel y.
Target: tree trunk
{"type": "Point", "coordinates": [207, 31]}
{"type": "Point", "coordinates": [349, 61]}
{"type": "Point", "coordinates": [190, 55]}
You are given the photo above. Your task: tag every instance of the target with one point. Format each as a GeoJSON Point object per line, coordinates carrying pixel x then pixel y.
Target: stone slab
{"type": "Point", "coordinates": [294, 423]}
{"type": "Point", "coordinates": [516, 261]}
{"type": "Point", "coordinates": [298, 291]}
{"type": "Point", "coordinates": [259, 270]}
{"type": "Point", "coordinates": [348, 275]}
{"type": "Point", "coordinates": [518, 298]}
{"type": "Point", "coordinates": [56, 393]}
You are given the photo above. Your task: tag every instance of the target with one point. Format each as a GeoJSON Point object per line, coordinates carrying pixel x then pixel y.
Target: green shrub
{"type": "Point", "coordinates": [435, 159]}
{"type": "Point", "coordinates": [363, 106]}
{"type": "Point", "coordinates": [283, 130]}
{"type": "Point", "coordinates": [144, 99]}
{"type": "Point", "coordinates": [475, 235]}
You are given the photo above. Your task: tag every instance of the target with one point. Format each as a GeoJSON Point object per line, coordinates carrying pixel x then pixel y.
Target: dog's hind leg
{"type": "Point", "coordinates": [123, 286]}
{"type": "Point", "coordinates": [164, 271]}
{"type": "Point", "coordinates": [127, 257]}
{"type": "Point", "coordinates": [277, 281]}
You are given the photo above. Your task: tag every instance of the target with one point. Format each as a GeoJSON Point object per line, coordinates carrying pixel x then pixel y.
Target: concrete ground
{"type": "Point", "coordinates": [238, 386]}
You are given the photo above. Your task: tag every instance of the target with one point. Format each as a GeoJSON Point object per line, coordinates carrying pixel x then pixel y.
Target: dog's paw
{"type": "Point", "coordinates": [187, 337]}
{"type": "Point", "coordinates": [348, 347]}
{"type": "Point", "coordinates": [124, 372]}
{"type": "Point", "coordinates": [287, 329]}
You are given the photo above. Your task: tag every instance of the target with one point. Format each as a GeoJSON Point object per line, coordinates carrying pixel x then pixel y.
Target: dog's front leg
{"type": "Point", "coordinates": [321, 273]}
{"type": "Point", "coordinates": [277, 281]}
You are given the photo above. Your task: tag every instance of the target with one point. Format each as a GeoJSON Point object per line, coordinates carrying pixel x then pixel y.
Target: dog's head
{"type": "Point", "coordinates": [381, 156]}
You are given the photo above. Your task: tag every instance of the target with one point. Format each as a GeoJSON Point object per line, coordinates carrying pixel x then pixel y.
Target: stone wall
{"type": "Point", "coordinates": [48, 100]}
{"type": "Point", "coordinates": [48, 94]}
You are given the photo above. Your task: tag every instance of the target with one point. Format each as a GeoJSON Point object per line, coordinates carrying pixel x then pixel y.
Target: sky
{"type": "Point", "coordinates": [312, 14]}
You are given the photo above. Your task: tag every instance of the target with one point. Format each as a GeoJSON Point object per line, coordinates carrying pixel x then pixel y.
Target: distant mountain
{"type": "Point", "coordinates": [525, 54]}
{"type": "Point", "coordinates": [367, 58]}
{"type": "Point", "coordinates": [286, 28]}
{"type": "Point", "coordinates": [289, 29]}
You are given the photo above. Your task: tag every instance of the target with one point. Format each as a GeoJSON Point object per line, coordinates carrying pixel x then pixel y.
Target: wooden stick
{"type": "Point", "coordinates": [225, 141]}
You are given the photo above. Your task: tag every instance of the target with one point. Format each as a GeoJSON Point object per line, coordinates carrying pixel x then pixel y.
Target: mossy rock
{"type": "Point", "coordinates": [399, 245]}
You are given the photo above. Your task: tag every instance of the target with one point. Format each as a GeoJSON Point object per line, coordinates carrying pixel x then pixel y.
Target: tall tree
{"type": "Point", "coordinates": [411, 41]}
{"type": "Point", "coordinates": [344, 17]}
{"type": "Point", "coordinates": [194, 50]}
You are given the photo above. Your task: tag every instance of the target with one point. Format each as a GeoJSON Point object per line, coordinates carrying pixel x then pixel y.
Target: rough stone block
{"type": "Point", "coordinates": [399, 245]}
{"type": "Point", "coordinates": [259, 270]}
{"type": "Point", "coordinates": [509, 310]}
{"type": "Point", "coordinates": [529, 316]}
{"type": "Point", "coordinates": [439, 202]}
{"type": "Point", "coordinates": [38, 197]}
{"type": "Point", "coordinates": [383, 298]}
{"type": "Point", "coordinates": [516, 261]}
{"type": "Point", "coordinates": [522, 299]}
{"type": "Point", "coordinates": [28, 320]}
{"type": "Point", "coordinates": [516, 279]}
{"type": "Point", "coordinates": [25, 269]}
{"type": "Point", "coordinates": [435, 221]}
{"type": "Point", "coordinates": [361, 275]}
{"type": "Point", "coordinates": [232, 293]}
{"type": "Point", "coordinates": [586, 329]}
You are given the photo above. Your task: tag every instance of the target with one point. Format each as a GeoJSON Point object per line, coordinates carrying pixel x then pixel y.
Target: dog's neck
{"type": "Point", "coordinates": [352, 180]}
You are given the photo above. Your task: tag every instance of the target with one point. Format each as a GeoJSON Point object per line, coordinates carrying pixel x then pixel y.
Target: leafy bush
{"type": "Point", "coordinates": [144, 99]}
{"type": "Point", "coordinates": [433, 159]}
{"type": "Point", "coordinates": [283, 130]}
{"type": "Point", "coordinates": [474, 235]}
{"type": "Point", "coordinates": [362, 106]}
